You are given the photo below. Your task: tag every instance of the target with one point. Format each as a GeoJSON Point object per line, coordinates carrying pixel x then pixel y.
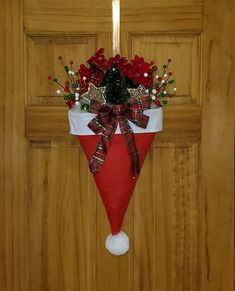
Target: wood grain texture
{"type": "Point", "coordinates": [47, 47]}
{"type": "Point", "coordinates": [64, 16]}
{"type": "Point", "coordinates": [165, 238]}
{"type": "Point", "coordinates": [13, 178]}
{"type": "Point", "coordinates": [169, 16]}
{"type": "Point", "coordinates": [42, 53]}
{"type": "Point", "coordinates": [62, 215]}
{"type": "Point", "coordinates": [218, 147]}
{"type": "Point", "coordinates": [183, 49]}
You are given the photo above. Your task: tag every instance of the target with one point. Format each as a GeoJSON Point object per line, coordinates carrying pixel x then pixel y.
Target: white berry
{"type": "Point", "coordinates": [58, 91]}
{"type": "Point", "coordinates": [156, 76]}
{"type": "Point", "coordinates": [164, 92]}
{"type": "Point", "coordinates": [165, 75]}
{"type": "Point", "coordinates": [175, 89]}
{"type": "Point", "coordinates": [154, 91]}
{"type": "Point", "coordinates": [163, 81]}
{"type": "Point", "coordinates": [84, 78]}
{"type": "Point", "coordinates": [76, 103]}
{"type": "Point", "coordinates": [146, 75]}
{"type": "Point", "coordinates": [153, 97]}
{"type": "Point", "coordinates": [146, 91]}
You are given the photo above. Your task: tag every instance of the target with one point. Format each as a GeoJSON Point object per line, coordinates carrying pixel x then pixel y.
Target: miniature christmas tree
{"type": "Point", "coordinates": [116, 88]}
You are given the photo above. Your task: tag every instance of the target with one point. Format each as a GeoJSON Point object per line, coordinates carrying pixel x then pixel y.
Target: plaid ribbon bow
{"type": "Point", "coordinates": [107, 119]}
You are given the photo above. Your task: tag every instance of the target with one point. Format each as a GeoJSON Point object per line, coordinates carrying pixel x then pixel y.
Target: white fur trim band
{"type": "Point", "coordinates": [79, 120]}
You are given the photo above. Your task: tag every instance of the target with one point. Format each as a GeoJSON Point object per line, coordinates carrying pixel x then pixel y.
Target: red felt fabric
{"type": "Point", "coordinates": [114, 181]}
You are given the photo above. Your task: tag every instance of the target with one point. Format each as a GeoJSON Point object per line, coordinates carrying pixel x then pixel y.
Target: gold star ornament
{"type": "Point", "coordinates": [94, 93]}
{"type": "Point", "coordinates": [137, 92]}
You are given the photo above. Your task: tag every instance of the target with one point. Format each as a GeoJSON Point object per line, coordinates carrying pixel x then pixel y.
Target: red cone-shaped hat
{"type": "Point", "coordinates": [114, 180]}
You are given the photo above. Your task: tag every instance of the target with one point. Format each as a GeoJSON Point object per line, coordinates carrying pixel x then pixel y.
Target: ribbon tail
{"type": "Point", "coordinates": [101, 149]}
{"type": "Point", "coordinates": [133, 151]}
{"type": "Point", "coordinates": [98, 156]}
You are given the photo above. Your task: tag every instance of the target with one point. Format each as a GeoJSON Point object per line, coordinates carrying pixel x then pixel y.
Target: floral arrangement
{"type": "Point", "coordinates": [115, 81]}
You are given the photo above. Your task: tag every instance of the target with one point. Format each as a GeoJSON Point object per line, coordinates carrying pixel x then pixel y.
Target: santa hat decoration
{"type": "Point", "coordinates": [115, 110]}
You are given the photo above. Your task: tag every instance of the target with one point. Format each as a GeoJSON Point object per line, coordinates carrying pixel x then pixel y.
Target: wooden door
{"type": "Point", "coordinates": [180, 220]}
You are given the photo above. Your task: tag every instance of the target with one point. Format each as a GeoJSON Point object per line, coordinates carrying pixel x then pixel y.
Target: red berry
{"type": "Point", "coordinates": [60, 58]}
{"type": "Point", "coordinates": [70, 102]}
{"type": "Point", "coordinates": [158, 103]}
{"type": "Point", "coordinates": [49, 77]}
{"type": "Point", "coordinates": [170, 73]}
{"type": "Point", "coordinates": [159, 78]}
{"type": "Point", "coordinates": [169, 60]}
{"type": "Point", "coordinates": [71, 62]}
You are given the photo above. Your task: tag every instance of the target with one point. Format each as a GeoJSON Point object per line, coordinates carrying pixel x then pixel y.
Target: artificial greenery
{"type": "Point", "coordinates": [116, 87]}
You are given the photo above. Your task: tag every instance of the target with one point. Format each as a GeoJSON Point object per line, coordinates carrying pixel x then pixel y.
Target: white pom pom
{"type": "Point", "coordinates": [146, 75]}
{"type": "Point", "coordinates": [117, 244]}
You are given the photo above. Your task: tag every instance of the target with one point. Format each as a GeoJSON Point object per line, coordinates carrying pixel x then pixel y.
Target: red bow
{"type": "Point", "coordinates": [106, 122]}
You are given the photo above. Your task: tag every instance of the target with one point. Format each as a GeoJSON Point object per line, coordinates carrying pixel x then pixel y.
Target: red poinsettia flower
{"type": "Point", "coordinates": [97, 77]}
{"type": "Point", "coordinates": [140, 72]}
{"type": "Point", "coordinates": [120, 62]}
{"type": "Point", "coordinates": [99, 60]}
{"type": "Point", "coordinates": [85, 73]}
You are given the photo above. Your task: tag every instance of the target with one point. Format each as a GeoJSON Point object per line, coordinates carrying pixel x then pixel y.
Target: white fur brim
{"type": "Point", "coordinates": [117, 244]}
{"type": "Point", "coordinates": [79, 120]}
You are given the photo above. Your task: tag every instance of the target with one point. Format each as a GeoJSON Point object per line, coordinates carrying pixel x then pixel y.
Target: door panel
{"type": "Point", "coordinates": [180, 219]}
{"type": "Point", "coordinates": [165, 238]}
{"type": "Point", "coordinates": [184, 49]}
{"type": "Point", "coordinates": [62, 223]}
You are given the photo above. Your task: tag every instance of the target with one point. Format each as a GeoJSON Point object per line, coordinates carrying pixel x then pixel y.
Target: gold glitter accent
{"type": "Point", "coordinates": [94, 93]}
{"type": "Point", "coordinates": [137, 92]}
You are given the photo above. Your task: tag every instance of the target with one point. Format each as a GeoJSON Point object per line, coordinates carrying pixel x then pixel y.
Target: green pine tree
{"type": "Point", "coordinates": [116, 87]}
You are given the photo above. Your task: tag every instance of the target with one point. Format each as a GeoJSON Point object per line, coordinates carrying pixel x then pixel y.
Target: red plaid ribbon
{"type": "Point", "coordinates": [107, 119]}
